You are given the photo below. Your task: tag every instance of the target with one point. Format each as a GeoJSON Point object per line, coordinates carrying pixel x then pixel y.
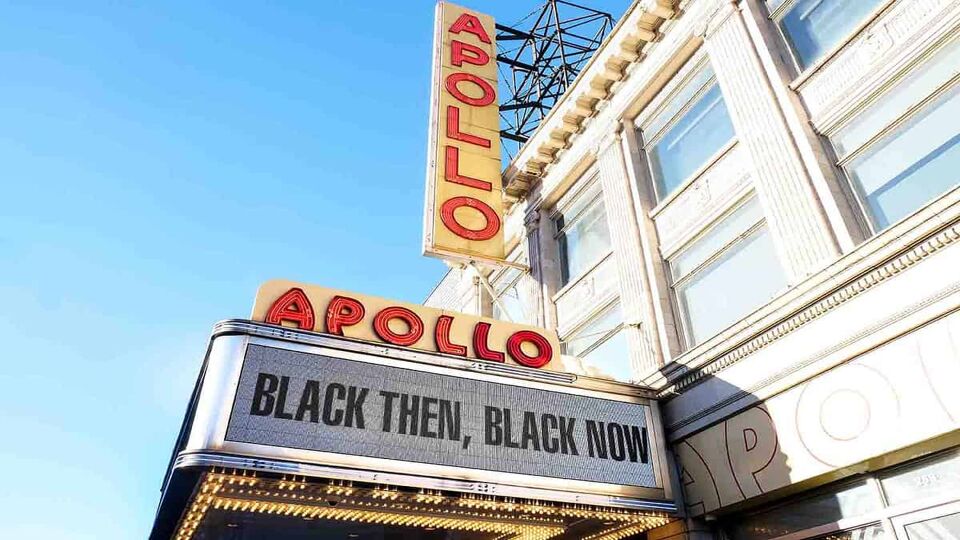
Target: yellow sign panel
{"type": "Point", "coordinates": [370, 318]}
{"type": "Point", "coordinates": [464, 204]}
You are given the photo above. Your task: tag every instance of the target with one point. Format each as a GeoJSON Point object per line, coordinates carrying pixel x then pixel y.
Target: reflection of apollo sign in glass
{"type": "Point", "coordinates": [320, 403]}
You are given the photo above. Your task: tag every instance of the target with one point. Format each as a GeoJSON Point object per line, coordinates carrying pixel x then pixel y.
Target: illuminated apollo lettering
{"type": "Point", "coordinates": [464, 203]}
{"type": "Point", "coordinates": [461, 85]}
{"type": "Point", "coordinates": [405, 327]}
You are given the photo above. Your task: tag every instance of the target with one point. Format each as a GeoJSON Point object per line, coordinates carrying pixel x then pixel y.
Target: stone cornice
{"type": "Point", "coordinates": [627, 44]}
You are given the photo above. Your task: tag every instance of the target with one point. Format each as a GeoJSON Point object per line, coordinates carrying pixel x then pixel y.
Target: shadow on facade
{"type": "Point", "coordinates": [730, 468]}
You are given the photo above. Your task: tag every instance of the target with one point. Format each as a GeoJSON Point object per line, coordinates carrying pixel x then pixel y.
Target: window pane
{"type": "Point", "coordinates": [848, 502]}
{"type": "Point", "coordinates": [911, 90]}
{"type": "Point", "coordinates": [774, 4]}
{"type": "Point", "coordinates": [722, 234]}
{"type": "Point", "coordinates": [612, 358]}
{"type": "Point", "coordinates": [511, 302]}
{"type": "Point", "coordinates": [813, 27]}
{"type": "Point", "coordinates": [573, 208]}
{"type": "Point", "coordinates": [941, 528]}
{"type": "Point", "coordinates": [686, 146]}
{"type": "Point", "coordinates": [585, 241]}
{"type": "Point", "coordinates": [505, 279]}
{"type": "Point", "coordinates": [870, 532]}
{"type": "Point", "coordinates": [931, 479]}
{"type": "Point", "coordinates": [678, 101]}
{"type": "Point", "coordinates": [911, 166]}
{"type": "Point", "coordinates": [594, 331]}
{"type": "Point", "coordinates": [745, 278]}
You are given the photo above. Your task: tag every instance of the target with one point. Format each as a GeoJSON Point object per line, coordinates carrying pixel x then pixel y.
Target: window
{"type": "Point", "coordinates": [904, 149]}
{"type": "Point", "coordinates": [688, 129]}
{"type": "Point", "coordinates": [725, 274]}
{"type": "Point", "coordinates": [929, 478]}
{"type": "Point", "coordinates": [509, 305]}
{"type": "Point", "coordinates": [582, 234]}
{"type": "Point", "coordinates": [602, 344]}
{"type": "Point", "coordinates": [813, 27]}
{"type": "Point", "coordinates": [849, 501]}
{"type": "Point", "coordinates": [914, 501]}
{"type": "Point", "coordinates": [939, 528]}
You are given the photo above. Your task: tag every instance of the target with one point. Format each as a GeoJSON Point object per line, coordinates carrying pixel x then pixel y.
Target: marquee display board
{"type": "Point", "coordinates": [328, 404]}
{"type": "Point", "coordinates": [401, 417]}
{"type": "Point", "coordinates": [463, 211]}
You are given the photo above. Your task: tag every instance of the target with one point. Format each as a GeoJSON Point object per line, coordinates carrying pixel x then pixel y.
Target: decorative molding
{"type": "Point", "coordinates": [589, 94]}
{"type": "Point", "coordinates": [611, 137]}
{"type": "Point", "coordinates": [718, 14]}
{"type": "Point", "coordinates": [628, 256]}
{"type": "Point", "coordinates": [595, 288]}
{"type": "Point", "coordinates": [893, 267]}
{"type": "Point", "coordinates": [843, 77]}
{"type": "Point", "coordinates": [872, 329]}
{"type": "Point", "coordinates": [794, 214]}
{"type": "Point", "coordinates": [703, 200]}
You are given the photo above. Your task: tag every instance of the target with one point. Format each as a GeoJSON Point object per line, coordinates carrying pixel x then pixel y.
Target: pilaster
{"type": "Point", "coordinates": [548, 260]}
{"type": "Point", "coordinates": [635, 298]}
{"type": "Point", "coordinates": [533, 290]}
{"type": "Point", "coordinates": [794, 213]}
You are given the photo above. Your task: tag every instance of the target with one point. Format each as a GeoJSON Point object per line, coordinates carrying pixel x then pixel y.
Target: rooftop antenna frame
{"type": "Point", "coordinates": [549, 57]}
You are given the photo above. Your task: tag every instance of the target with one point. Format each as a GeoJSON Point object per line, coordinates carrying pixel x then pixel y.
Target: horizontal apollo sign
{"type": "Point", "coordinates": [335, 407]}
{"type": "Point", "coordinates": [463, 213]}
{"type": "Point", "coordinates": [319, 309]}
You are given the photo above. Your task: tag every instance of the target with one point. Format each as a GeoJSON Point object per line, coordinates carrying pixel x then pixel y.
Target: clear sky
{"type": "Point", "coordinates": [158, 162]}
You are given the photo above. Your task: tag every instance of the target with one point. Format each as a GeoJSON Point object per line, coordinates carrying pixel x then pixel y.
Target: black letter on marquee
{"type": "Point", "coordinates": [567, 444]}
{"type": "Point", "coordinates": [596, 440]}
{"type": "Point", "coordinates": [530, 433]}
{"type": "Point", "coordinates": [615, 438]}
{"type": "Point", "coordinates": [387, 408]}
{"type": "Point", "coordinates": [263, 399]}
{"type": "Point", "coordinates": [492, 420]}
{"type": "Point", "coordinates": [550, 444]}
{"type": "Point", "coordinates": [282, 400]}
{"type": "Point", "coordinates": [409, 413]}
{"type": "Point", "coordinates": [355, 407]}
{"type": "Point", "coordinates": [310, 401]}
{"type": "Point", "coordinates": [637, 441]}
{"type": "Point", "coordinates": [449, 420]}
{"type": "Point", "coordinates": [334, 391]}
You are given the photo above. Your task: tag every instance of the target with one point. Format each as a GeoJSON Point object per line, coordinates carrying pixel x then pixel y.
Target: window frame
{"type": "Point", "coordinates": [603, 337]}
{"type": "Point", "coordinates": [800, 73]}
{"type": "Point", "coordinates": [683, 322]}
{"type": "Point", "coordinates": [891, 516]}
{"type": "Point", "coordinates": [591, 189]}
{"type": "Point", "coordinates": [516, 255]}
{"type": "Point", "coordinates": [854, 187]}
{"type": "Point", "coordinates": [687, 74]}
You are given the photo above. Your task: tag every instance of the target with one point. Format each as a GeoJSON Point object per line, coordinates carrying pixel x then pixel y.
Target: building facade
{"type": "Point", "coordinates": [752, 207]}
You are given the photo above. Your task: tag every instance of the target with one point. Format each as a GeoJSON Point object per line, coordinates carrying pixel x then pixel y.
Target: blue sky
{"type": "Point", "coordinates": [159, 162]}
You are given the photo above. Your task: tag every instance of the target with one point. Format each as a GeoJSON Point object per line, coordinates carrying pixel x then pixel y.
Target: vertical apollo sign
{"type": "Point", "coordinates": [464, 205]}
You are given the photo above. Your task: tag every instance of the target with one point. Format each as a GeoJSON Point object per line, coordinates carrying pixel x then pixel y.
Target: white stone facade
{"type": "Point", "coordinates": [858, 293]}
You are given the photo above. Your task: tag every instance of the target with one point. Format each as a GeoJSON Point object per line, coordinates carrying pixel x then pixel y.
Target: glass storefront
{"type": "Point", "coordinates": [919, 500]}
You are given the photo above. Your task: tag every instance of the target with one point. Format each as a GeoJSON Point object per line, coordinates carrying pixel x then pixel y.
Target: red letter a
{"type": "Point", "coordinates": [470, 24]}
{"type": "Point", "coordinates": [293, 306]}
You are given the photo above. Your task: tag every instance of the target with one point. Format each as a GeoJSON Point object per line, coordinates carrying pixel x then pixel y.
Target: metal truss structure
{"type": "Point", "coordinates": [543, 59]}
